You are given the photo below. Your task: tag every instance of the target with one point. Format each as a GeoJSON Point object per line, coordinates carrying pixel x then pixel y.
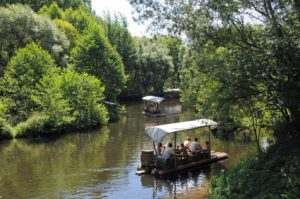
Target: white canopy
{"type": "Point", "coordinates": [157, 133]}
{"type": "Point", "coordinates": [153, 99]}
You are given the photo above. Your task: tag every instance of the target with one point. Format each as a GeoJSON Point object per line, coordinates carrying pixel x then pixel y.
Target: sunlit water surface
{"type": "Point", "coordinates": [102, 163]}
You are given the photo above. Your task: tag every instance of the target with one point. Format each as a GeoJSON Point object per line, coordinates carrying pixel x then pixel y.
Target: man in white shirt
{"type": "Point", "coordinates": [195, 146]}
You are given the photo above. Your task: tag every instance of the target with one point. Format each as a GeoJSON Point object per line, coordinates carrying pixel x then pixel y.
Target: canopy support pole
{"type": "Point", "coordinates": [175, 161]}
{"type": "Point", "coordinates": [209, 150]}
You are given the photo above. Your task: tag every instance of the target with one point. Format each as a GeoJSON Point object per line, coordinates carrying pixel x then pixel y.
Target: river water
{"type": "Point", "coordinates": [102, 163]}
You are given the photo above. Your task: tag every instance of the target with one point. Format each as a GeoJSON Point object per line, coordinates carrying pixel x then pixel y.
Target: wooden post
{"type": "Point", "coordinates": [175, 161]}
{"type": "Point", "coordinates": [209, 149]}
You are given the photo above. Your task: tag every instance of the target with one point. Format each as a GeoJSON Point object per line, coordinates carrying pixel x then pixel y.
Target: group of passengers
{"type": "Point", "coordinates": [152, 108]}
{"type": "Point", "coordinates": [185, 149]}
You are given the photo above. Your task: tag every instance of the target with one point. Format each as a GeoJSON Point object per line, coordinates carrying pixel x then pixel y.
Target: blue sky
{"type": "Point", "coordinates": [122, 6]}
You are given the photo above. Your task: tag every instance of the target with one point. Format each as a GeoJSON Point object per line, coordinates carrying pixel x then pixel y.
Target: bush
{"type": "Point", "coordinates": [271, 175]}
{"type": "Point", "coordinates": [71, 99]}
{"type": "Point", "coordinates": [85, 94]}
{"type": "Point", "coordinates": [116, 111]}
{"type": "Point", "coordinates": [65, 101]}
{"type": "Point", "coordinates": [21, 77]}
{"type": "Point", "coordinates": [95, 55]}
{"type": "Point", "coordinates": [20, 26]}
{"type": "Point", "coordinates": [33, 126]}
{"type": "Point", "coordinates": [5, 129]}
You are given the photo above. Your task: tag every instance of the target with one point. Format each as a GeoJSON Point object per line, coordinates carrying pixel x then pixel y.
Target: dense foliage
{"type": "Point", "coordinates": [250, 48]}
{"type": "Point", "coordinates": [36, 5]}
{"type": "Point", "coordinates": [176, 50]}
{"type": "Point", "coordinates": [274, 175]}
{"type": "Point", "coordinates": [120, 38]}
{"type": "Point", "coordinates": [151, 68]}
{"type": "Point", "coordinates": [21, 77]}
{"type": "Point", "coordinates": [62, 67]}
{"type": "Point", "coordinates": [242, 69]}
{"type": "Point", "coordinates": [96, 56]}
{"type": "Point", "coordinates": [20, 26]}
{"type": "Point", "coordinates": [48, 101]}
{"type": "Point", "coordinates": [81, 19]}
{"type": "Point", "coordinates": [5, 131]}
{"type": "Point", "coordinates": [65, 101]}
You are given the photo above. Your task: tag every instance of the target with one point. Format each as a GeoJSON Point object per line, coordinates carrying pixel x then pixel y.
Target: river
{"type": "Point", "coordinates": [102, 163]}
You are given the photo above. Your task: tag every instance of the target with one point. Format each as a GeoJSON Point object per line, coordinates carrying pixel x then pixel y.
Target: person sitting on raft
{"type": "Point", "coordinates": [195, 146]}
{"type": "Point", "coordinates": [187, 142]}
{"type": "Point", "coordinates": [168, 151]}
{"type": "Point", "coordinates": [159, 149]}
{"type": "Point", "coordinates": [183, 151]}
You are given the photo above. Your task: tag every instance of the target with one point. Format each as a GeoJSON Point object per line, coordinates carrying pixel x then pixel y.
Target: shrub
{"type": "Point", "coordinates": [271, 175]}
{"type": "Point", "coordinates": [72, 99]}
{"type": "Point", "coordinates": [20, 26]}
{"type": "Point", "coordinates": [33, 126]}
{"type": "Point", "coordinates": [21, 76]}
{"type": "Point", "coordinates": [5, 128]}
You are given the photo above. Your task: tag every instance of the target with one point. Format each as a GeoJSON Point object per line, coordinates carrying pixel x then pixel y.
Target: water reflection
{"type": "Point", "coordinates": [178, 184]}
{"type": "Point", "coordinates": [102, 163]}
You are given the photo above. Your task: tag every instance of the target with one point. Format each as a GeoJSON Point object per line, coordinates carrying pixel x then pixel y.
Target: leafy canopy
{"type": "Point", "coordinates": [21, 77]}
{"type": "Point", "coordinates": [95, 55]}
{"type": "Point", "coordinates": [261, 49]}
{"type": "Point", "coordinates": [20, 26]}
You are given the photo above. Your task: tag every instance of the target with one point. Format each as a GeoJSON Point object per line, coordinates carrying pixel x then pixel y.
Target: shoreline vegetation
{"type": "Point", "coordinates": [63, 68]}
{"type": "Point", "coordinates": [239, 65]}
{"type": "Point", "coordinates": [270, 174]}
{"type": "Point", "coordinates": [244, 73]}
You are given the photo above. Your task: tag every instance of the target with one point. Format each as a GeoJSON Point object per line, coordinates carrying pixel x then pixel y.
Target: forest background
{"type": "Point", "coordinates": [62, 67]}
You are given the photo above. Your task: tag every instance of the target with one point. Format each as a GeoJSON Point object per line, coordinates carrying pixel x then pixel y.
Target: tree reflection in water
{"type": "Point", "coordinates": [179, 183]}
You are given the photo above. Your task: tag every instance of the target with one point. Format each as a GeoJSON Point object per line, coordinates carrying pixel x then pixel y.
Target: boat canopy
{"type": "Point", "coordinates": [157, 133]}
{"type": "Point", "coordinates": [153, 99]}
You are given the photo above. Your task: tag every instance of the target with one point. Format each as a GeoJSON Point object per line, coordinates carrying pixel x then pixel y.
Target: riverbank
{"type": "Point", "coordinates": [274, 174]}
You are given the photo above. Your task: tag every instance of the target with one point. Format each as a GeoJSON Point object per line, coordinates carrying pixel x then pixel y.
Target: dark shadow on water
{"type": "Point", "coordinates": [184, 175]}
{"type": "Point", "coordinates": [171, 185]}
{"type": "Point", "coordinates": [148, 180]}
{"type": "Point", "coordinates": [48, 138]}
{"type": "Point", "coordinates": [43, 139]}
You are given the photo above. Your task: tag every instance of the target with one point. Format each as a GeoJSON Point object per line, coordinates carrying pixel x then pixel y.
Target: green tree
{"type": "Point", "coordinates": [20, 26]}
{"type": "Point", "coordinates": [5, 130]}
{"type": "Point", "coordinates": [96, 56]}
{"type": "Point", "coordinates": [176, 51]}
{"type": "Point", "coordinates": [70, 31]}
{"type": "Point", "coordinates": [151, 70]}
{"type": "Point", "coordinates": [53, 11]}
{"type": "Point", "coordinates": [36, 5]}
{"type": "Point", "coordinates": [117, 32]}
{"type": "Point", "coordinates": [51, 103]}
{"type": "Point", "coordinates": [262, 38]}
{"type": "Point", "coordinates": [72, 94]}
{"type": "Point", "coordinates": [65, 100]}
{"type": "Point", "coordinates": [251, 50]}
{"type": "Point", "coordinates": [23, 73]}
{"type": "Point", "coordinates": [80, 18]}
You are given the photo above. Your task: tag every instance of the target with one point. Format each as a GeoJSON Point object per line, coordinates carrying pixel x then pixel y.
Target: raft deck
{"type": "Point", "coordinates": [215, 157]}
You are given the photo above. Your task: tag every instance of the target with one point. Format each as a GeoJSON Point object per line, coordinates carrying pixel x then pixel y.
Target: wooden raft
{"type": "Point", "coordinates": [215, 157]}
